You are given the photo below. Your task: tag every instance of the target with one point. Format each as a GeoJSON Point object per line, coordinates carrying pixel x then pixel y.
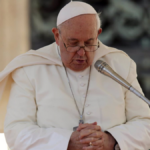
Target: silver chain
{"type": "Point", "coordinates": [81, 114]}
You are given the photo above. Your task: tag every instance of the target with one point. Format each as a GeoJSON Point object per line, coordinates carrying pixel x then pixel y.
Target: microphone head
{"type": "Point", "coordinates": [99, 65]}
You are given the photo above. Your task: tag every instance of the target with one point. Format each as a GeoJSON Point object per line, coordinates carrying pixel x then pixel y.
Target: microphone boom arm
{"type": "Point", "coordinates": [105, 69]}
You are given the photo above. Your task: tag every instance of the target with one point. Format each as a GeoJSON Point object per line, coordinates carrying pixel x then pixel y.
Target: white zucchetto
{"type": "Point", "coordinates": [73, 9]}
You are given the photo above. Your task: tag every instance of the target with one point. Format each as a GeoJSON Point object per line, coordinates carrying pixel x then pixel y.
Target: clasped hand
{"type": "Point", "coordinates": [91, 137]}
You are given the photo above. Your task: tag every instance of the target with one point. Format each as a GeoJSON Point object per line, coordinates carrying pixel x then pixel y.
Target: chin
{"type": "Point", "coordinates": [78, 68]}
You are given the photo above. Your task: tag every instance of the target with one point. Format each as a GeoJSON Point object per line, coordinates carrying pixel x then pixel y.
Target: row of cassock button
{"type": "Point", "coordinates": [86, 105]}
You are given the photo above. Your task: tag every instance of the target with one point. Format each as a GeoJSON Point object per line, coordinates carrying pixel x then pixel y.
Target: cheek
{"type": "Point", "coordinates": [90, 57]}
{"type": "Point", "coordinates": [67, 57]}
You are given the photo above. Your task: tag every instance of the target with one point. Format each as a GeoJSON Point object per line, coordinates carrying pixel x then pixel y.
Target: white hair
{"type": "Point", "coordinates": [98, 21]}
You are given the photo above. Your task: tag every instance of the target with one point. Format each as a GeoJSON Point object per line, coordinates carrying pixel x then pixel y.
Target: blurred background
{"type": "Point", "coordinates": [125, 24]}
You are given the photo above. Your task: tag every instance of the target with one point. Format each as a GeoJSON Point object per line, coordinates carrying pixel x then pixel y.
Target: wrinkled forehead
{"type": "Point", "coordinates": [83, 26]}
{"type": "Point", "coordinates": [74, 9]}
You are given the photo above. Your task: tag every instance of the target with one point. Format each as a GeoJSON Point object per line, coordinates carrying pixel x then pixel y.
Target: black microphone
{"type": "Point", "coordinates": [105, 69]}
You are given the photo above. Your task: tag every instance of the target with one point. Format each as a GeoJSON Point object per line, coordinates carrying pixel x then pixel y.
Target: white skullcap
{"type": "Point", "coordinates": [73, 9]}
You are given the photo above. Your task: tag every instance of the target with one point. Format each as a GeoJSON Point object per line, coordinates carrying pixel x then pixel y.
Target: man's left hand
{"type": "Point", "coordinates": [91, 133]}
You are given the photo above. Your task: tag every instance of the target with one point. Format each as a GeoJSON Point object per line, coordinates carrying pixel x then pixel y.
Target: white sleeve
{"type": "Point", "coordinates": [21, 129]}
{"type": "Point", "coordinates": [135, 133]}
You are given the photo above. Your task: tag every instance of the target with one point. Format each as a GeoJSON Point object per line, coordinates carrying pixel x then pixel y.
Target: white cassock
{"type": "Point", "coordinates": [41, 112]}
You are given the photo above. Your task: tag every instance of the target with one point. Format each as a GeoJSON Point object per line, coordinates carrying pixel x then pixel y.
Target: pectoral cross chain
{"type": "Point", "coordinates": [81, 121]}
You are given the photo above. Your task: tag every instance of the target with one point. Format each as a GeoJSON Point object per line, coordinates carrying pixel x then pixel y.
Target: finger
{"type": "Point", "coordinates": [94, 141]}
{"type": "Point", "coordinates": [100, 148]}
{"type": "Point", "coordinates": [90, 148]}
{"type": "Point", "coordinates": [97, 134]}
{"type": "Point", "coordinates": [99, 143]}
{"type": "Point", "coordinates": [82, 126]}
{"type": "Point", "coordinates": [93, 148]}
{"type": "Point", "coordinates": [94, 127]}
{"type": "Point", "coordinates": [94, 123]}
{"type": "Point", "coordinates": [83, 133]}
{"type": "Point", "coordinates": [88, 140]}
{"type": "Point", "coordinates": [89, 126]}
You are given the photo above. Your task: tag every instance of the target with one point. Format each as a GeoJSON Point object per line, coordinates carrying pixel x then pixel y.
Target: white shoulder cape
{"type": "Point", "coordinates": [44, 56]}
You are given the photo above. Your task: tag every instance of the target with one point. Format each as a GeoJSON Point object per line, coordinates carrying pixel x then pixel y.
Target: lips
{"type": "Point", "coordinates": [80, 61]}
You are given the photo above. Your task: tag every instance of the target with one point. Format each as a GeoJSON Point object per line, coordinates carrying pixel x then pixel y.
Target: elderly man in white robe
{"type": "Point", "coordinates": [59, 101]}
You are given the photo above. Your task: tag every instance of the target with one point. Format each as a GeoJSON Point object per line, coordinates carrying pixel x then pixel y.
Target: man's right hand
{"type": "Point", "coordinates": [74, 143]}
{"type": "Point", "coordinates": [97, 139]}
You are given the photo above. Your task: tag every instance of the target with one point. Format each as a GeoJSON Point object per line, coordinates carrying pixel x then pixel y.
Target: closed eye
{"type": "Point", "coordinates": [72, 44]}
{"type": "Point", "coordinates": [89, 42]}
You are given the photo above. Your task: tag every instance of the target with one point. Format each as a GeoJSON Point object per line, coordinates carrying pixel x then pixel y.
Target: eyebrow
{"type": "Point", "coordinates": [73, 39]}
{"type": "Point", "coordinates": [91, 39]}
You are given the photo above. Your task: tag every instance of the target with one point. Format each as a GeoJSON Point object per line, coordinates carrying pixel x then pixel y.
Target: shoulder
{"type": "Point", "coordinates": [34, 75]}
{"type": "Point", "coordinates": [120, 62]}
{"type": "Point", "coordinates": [112, 55]}
{"type": "Point", "coordinates": [36, 60]}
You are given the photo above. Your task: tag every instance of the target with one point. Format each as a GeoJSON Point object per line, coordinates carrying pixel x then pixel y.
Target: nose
{"type": "Point", "coordinates": [81, 52]}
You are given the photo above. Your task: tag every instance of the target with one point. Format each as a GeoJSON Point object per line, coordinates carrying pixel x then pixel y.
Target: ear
{"type": "Point", "coordinates": [56, 35]}
{"type": "Point", "coordinates": [99, 31]}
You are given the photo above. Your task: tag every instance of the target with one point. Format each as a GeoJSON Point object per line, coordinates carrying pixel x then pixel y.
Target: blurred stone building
{"type": "Point", "coordinates": [125, 23]}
